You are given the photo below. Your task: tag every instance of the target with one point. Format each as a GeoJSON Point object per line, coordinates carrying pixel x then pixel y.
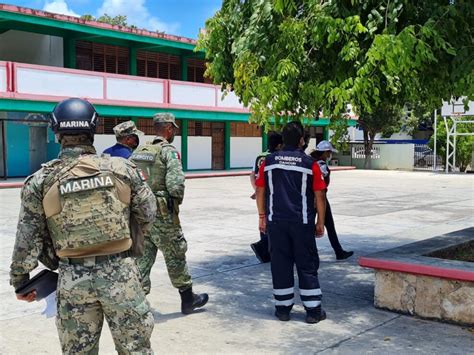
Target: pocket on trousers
{"type": "Point", "coordinates": [182, 244]}
{"type": "Point", "coordinates": [162, 205]}
{"type": "Point", "coordinates": [142, 308]}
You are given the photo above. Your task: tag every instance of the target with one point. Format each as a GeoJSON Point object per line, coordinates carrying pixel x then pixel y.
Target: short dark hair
{"type": "Point", "coordinates": [274, 140]}
{"type": "Point", "coordinates": [292, 133]}
{"type": "Point", "coordinates": [316, 154]}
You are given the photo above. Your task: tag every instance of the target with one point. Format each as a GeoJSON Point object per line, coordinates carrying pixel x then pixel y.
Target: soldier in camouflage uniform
{"type": "Point", "coordinates": [75, 216]}
{"type": "Point", "coordinates": [160, 161]}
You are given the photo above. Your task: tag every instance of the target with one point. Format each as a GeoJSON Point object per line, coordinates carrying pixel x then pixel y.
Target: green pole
{"type": "Point", "coordinates": [264, 140]}
{"type": "Point", "coordinates": [184, 68]}
{"type": "Point", "coordinates": [326, 133]}
{"type": "Point", "coordinates": [227, 145]}
{"type": "Point", "coordinates": [69, 52]}
{"type": "Point", "coordinates": [184, 144]}
{"type": "Point", "coordinates": [133, 61]}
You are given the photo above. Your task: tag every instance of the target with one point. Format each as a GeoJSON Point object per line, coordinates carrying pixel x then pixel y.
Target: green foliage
{"type": "Point", "coordinates": [289, 59]}
{"type": "Point", "coordinates": [340, 137]}
{"type": "Point", "coordinates": [464, 144]}
{"type": "Point", "coordinates": [119, 20]}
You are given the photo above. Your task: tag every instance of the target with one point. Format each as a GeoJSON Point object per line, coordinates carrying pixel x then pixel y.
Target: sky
{"type": "Point", "coordinates": [176, 17]}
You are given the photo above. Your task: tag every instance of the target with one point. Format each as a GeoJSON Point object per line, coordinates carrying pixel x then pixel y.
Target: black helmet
{"type": "Point", "coordinates": [74, 116]}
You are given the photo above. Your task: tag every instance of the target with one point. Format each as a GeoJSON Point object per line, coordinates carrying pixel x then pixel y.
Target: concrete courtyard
{"type": "Point", "coordinates": [374, 210]}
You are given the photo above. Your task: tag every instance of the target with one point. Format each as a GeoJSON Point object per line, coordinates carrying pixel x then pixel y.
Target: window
{"type": "Point", "coordinates": [243, 129]}
{"type": "Point", "coordinates": [102, 57]}
{"type": "Point", "coordinates": [106, 124]}
{"type": "Point", "coordinates": [158, 65]}
{"type": "Point", "coordinates": [146, 126]}
{"type": "Point", "coordinates": [199, 128]}
{"type": "Point", "coordinates": [196, 69]}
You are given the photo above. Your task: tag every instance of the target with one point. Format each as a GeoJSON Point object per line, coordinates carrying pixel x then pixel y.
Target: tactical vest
{"type": "Point", "coordinates": [148, 159]}
{"type": "Point", "coordinates": [87, 208]}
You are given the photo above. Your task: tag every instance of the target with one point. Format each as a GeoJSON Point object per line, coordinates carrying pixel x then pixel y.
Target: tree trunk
{"type": "Point", "coordinates": [369, 138]}
{"type": "Point", "coordinates": [367, 149]}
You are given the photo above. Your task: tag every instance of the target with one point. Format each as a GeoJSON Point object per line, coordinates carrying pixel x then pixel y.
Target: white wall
{"type": "Point", "coordinates": [192, 95]}
{"type": "Point", "coordinates": [199, 152]}
{"type": "Point", "coordinates": [392, 157]}
{"type": "Point", "coordinates": [35, 81]}
{"type": "Point", "coordinates": [244, 151]}
{"type": "Point", "coordinates": [311, 145]}
{"type": "Point", "coordinates": [230, 100]}
{"type": "Point", "coordinates": [134, 90]}
{"type": "Point", "coordinates": [3, 79]}
{"type": "Point", "coordinates": [32, 48]}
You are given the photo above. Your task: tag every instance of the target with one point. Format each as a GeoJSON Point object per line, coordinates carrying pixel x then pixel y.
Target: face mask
{"type": "Point", "coordinates": [171, 139]}
{"type": "Point", "coordinates": [134, 143]}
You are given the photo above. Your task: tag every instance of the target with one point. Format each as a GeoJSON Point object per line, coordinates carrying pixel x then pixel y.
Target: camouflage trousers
{"type": "Point", "coordinates": [112, 289]}
{"type": "Point", "coordinates": [167, 237]}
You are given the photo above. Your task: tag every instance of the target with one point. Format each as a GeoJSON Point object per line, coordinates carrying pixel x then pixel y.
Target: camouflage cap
{"type": "Point", "coordinates": [165, 117]}
{"type": "Point", "coordinates": [125, 129]}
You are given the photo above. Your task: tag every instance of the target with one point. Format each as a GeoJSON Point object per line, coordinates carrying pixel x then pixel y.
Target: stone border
{"type": "Point", "coordinates": [408, 281]}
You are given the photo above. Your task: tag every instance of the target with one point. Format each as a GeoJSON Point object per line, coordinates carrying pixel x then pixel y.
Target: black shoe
{"type": "Point", "coordinates": [190, 301]}
{"type": "Point", "coordinates": [344, 255]}
{"type": "Point", "coordinates": [284, 316]}
{"type": "Point", "coordinates": [315, 315]}
{"type": "Point", "coordinates": [261, 252]}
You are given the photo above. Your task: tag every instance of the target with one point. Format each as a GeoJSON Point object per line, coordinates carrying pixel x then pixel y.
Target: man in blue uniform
{"type": "Point", "coordinates": [290, 188]}
{"type": "Point", "coordinates": [127, 140]}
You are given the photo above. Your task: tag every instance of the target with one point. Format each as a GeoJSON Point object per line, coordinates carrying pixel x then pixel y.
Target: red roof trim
{"type": "Point", "coordinates": [77, 20]}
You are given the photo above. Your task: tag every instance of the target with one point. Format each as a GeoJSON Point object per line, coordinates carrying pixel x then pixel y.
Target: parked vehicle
{"type": "Point", "coordinates": [424, 156]}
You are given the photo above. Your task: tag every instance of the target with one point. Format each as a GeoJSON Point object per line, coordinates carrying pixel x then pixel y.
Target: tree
{"type": "Point", "coordinates": [288, 59]}
{"type": "Point", "coordinates": [374, 122]}
{"type": "Point", "coordinates": [464, 144]}
{"type": "Point", "coordinates": [119, 20]}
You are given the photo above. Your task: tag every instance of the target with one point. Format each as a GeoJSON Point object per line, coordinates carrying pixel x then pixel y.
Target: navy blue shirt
{"type": "Point", "coordinates": [290, 178]}
{"type": "Point", "coordinates": [119, 150]}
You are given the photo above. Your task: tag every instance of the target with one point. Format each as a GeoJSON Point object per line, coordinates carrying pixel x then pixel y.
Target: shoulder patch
{"type": "Point", "coordinates": [141, 175]}
{"type": "Point", "coordinates": [175, 155]}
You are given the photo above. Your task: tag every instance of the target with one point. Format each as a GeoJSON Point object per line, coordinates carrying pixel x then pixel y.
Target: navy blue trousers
{"type": "Point", "coordinates": [294, 244]}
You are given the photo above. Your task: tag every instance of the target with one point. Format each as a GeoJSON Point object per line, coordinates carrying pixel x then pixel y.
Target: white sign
{"type": "Point", "coordinates": [456, 108]}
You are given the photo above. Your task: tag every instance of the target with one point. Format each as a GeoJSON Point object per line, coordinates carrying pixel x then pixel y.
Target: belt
{"type": "Point", "coordinates": [93, 260]}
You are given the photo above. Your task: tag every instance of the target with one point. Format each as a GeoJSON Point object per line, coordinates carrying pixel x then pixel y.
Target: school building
{"type": "Point", "coordinates": [128, 74]}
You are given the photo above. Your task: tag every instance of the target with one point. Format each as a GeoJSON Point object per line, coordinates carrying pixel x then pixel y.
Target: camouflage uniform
{"type": "Point", "coordinates": [125, 129]}
{"type": "Point", "coordinates": [161, 162]}
{"type": "Point", "coordinates": [93, 288]}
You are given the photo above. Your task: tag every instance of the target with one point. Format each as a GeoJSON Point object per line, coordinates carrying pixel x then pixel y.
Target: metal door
{"type": "Point", "coordinates": [38, 147]}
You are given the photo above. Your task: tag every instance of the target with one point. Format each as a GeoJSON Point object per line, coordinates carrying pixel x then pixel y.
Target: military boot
{"type": "Point", "coordinates": [190, 301]}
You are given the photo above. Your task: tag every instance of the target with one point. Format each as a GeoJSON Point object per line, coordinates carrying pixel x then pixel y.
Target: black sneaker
{"type": "Point", "coordinates": [284, 316]}
{"type": "Point", "coordinates": [344, 255]}
{"type": "Point", "coordinates": [315, 315]}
